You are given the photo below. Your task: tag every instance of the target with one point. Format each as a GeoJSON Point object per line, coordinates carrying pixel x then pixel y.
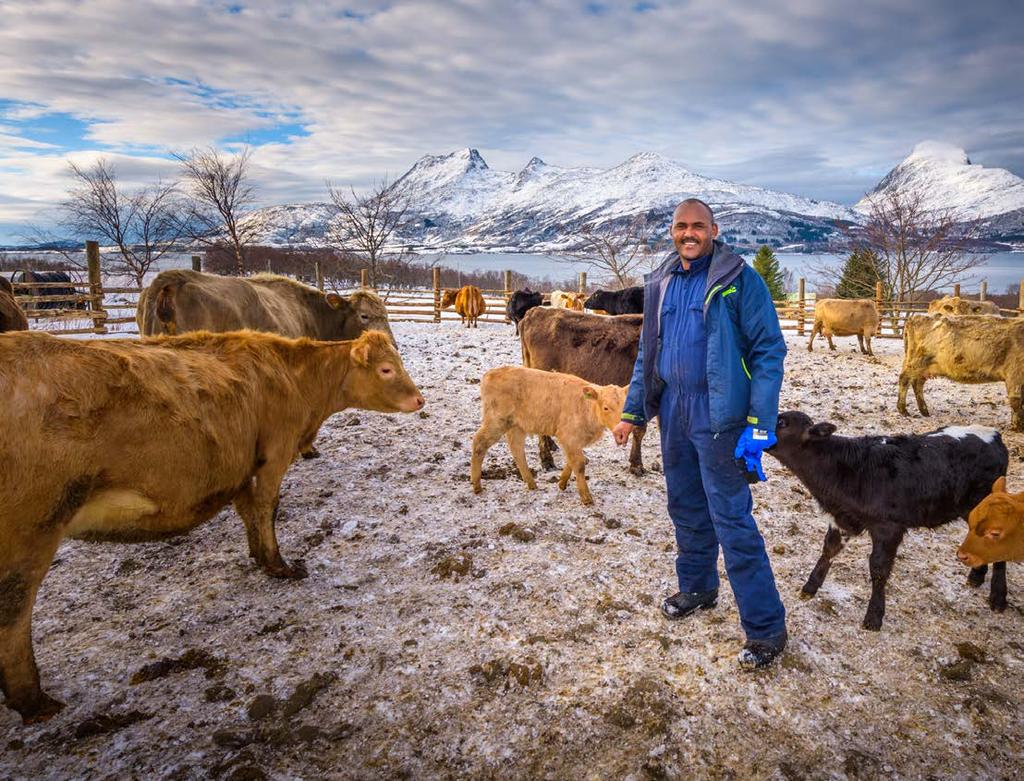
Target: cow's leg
{"type": "Point", "coordinates": [834, 542]}
{"type": "Point", "coordinates": [257, 504]}
{"type": "Point", "coordinates": [19, 584]}
{"type": "Point", "coordinates": [516, 438]}
{"type": "Point", "coordinates": [828, 338]}
{"type": "Point", "coordinates": [867, 340]}
{"type": "Point", "coordinates": [488, 433]}
{"type": "Point", "coordinates": [815, 330]}
{"type": "Point", "coordinates": [918, 386]}
{"type": "Point", "coordinates": [575, 460]}
{"type": "Point", "coordinates": [976, 577]}
{"type": "Point", "coordinates": [545, 445]}
{"type": "Point", "coordinates": [636, 461]}
{"type": "Point", "coordinates": [997, 592]}
{"type": "Point", "coordinates": [901, 398]}
{"type": "Point", "coordinates": [885, 540]}
{"type": "Point", "coordinates": [1015, 396]}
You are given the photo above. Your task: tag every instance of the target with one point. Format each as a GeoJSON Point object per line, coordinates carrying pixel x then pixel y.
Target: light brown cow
{"type": "Point", "coordinates": [845, 317]}
{"type": "Point", "coordinates": [563, 300]}
{"type": "Point", "coordinates": [955, 305]}
{"type": "Point", "coordinates": [518, 401]}
{"type": "Point", "coordinates": [996, 529]}
{"type": "Point", "coordinates": [468, 302]}
{"type": "Point", "coordinates": [181, 300]}
{"type": "Point", "coordinates": [966, 348]}
{"type": "Point", "coordinates": [12, 318]}
{"type": "Point", "coordinates": [128, 441]}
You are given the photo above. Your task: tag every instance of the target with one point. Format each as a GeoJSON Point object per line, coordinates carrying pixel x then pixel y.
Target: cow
{"type": "Point", "coordinates": [468, 302]}
{"type": "Point", "coordinates": [521, 302]}
{"type": "Point", "coordinates": [966, 348]}
{"type": "Point", "coordinates": [996, 529]}
{"type": "Point", "coordinates": [12, 318]}
{"type": "Point", "coordinates": [887, 484]}
{"type": "Point", "coordinates": [70, 300]}
{"type": "Point", "coordinates": [601, 350]}
{"type": "Point", "coordinates": [562, 300]}
{"type": "Point", "coordinates": [182, 300]}
{"type": "Point", "coordinates": [955, 305]}
{"type": "Point", "coordinates": [629, 301]}
{"type": "Point", "coordinates": [517, 401]}
{"type": "Point", "coordinates": [845, 317]}
{"type": "Point", "coordinates": [133, 441]}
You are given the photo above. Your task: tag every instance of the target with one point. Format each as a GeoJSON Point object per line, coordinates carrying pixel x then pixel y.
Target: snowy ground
{"type": "Point", "coordinates": [425, 643]}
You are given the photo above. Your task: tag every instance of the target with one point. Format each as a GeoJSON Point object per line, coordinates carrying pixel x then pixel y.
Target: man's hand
{"type": "Point", "coordinates": [752, 442]}
{"type": "Point", "coordinates": [622, 431]}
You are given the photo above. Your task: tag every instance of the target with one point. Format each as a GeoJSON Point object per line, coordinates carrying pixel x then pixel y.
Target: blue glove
{"type": "Point", "coordinates": [752, 442]}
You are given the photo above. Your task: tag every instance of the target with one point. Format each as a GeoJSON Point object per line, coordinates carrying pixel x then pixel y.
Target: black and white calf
{"type": "Point", "coordinates": [886, 485]}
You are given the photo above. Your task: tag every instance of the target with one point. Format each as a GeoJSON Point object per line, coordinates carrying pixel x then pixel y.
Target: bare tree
{"type": "Point", "coordinates": [364, 225]}
{"type": "Point", "coordinates": [142, 225]}
{"type": "Point", "coordinates": [220, 200]}
{"type": "Point", "coordinates": [619, 251]}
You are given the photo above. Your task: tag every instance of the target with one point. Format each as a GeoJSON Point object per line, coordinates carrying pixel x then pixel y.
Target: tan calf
{"type": "Point", "coordinates": [468, 302]}
{"type": "Point", "coordinates": [845, 317]}
{"type": "Point", "coordinates": [127, 441]}
{"type": "Point", "coordinates": [996, 529]}
{"type": "Point", "coordinates": [518, 401]}
{"type": "Point", "coordinates": [562, 300]}
{"type": "Point", "coordinates": [968, 348]}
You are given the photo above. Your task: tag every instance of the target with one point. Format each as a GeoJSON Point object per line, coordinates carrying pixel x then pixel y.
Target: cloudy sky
{"type": "Point", "coordinates": [815, 97]}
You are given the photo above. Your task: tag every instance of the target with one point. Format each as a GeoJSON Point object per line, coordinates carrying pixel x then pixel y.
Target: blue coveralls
{"type": "Point", "coordinates": [709, 499]}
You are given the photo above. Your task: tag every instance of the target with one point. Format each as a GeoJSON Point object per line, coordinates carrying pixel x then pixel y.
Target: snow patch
{"type": "Point", "coordinates": [983, 433]}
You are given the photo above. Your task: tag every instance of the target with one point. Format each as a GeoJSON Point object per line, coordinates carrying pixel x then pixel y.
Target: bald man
{"type": "Point", "coordinates": [710, 368]}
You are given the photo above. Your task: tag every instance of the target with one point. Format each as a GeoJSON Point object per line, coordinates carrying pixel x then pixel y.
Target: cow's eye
{"type": "Point", "coordinates": [386, 370]}
{"type": "Point", "coordinates": [364, 317]}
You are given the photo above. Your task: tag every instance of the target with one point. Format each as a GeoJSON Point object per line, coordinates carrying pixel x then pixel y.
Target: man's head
{"type": "Point", "coordinates": [693, 229]}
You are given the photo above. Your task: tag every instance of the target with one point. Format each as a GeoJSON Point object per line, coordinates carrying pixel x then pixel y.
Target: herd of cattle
{"type": "Point", "coordinates": [237, 393]}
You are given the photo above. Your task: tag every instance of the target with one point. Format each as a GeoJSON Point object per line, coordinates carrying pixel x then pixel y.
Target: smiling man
{"type": "Point", "coordinates": [710, 368]}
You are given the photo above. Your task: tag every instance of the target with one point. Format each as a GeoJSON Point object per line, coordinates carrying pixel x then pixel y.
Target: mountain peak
{"type": "Point", "coordinates": [535, 162]}
{"type": "Point", "coordinates": [939, 152]}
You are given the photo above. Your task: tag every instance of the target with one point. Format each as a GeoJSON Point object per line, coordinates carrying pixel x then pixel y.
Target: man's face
{"type": "Point", "coordinates": [693, 231]}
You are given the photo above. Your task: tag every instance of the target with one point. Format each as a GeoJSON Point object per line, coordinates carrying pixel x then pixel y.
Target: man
{"type": "Point", "coordinates": [710, 367]}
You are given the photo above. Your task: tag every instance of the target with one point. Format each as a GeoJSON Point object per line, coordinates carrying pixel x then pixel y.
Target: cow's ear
{"type": "Point", "coordinates": [589, 392]}
{"type": "Point", "coordinates": [999, 486]}
{"type": "Point", "coordinates": [820, 431]}
{"type": "Point", "coordinates": [334, 301]}
{"type": "Point", "coordinates": [360, 353]}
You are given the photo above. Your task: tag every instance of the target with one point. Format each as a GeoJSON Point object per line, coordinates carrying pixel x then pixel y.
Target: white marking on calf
{"type": "Point", "coordinates": [984, 433]}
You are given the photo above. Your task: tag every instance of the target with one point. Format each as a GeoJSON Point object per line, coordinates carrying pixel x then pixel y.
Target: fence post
{"type": "Point", "coordinates": [583, 282]}
{"type": "Point", "coordinates": [983, 291]}
{"type": "Point", "coordinates": [99, 315]}
{"type": "Point", "coordinates": [197, 263]}
{"type": "Point", "coordinates": [879, 304]}
{"type": "Point", "coordinates": [437, 294]}
{"type": "Point", "coordinates": [1020, 299]}
{"type": "Point", "coordinates": [801, 299]}
{"type": "Point", "coordinates": [508, 291]}
{"type": "Point", "coordinates": [318, 270]}
{"type": "Point", "coordinates": [362, 278]}
{"type": "Point", "coordinates": [956, 290]}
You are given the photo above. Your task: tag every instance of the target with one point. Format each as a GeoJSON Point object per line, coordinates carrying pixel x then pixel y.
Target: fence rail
{"type": "Point", "coordinates": [92, 302]}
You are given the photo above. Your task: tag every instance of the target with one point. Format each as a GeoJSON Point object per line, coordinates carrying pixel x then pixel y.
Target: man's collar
{"type": "Point", "coordinates": [697, 265]}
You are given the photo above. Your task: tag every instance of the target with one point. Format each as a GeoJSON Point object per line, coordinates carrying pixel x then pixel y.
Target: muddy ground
{"type": "Point", "coordinates": [516, 635]}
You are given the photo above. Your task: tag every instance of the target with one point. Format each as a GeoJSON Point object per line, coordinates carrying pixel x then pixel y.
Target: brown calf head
{"type": "Point", "coordinates": [359, 312]}
{"type": "Point", "coordinates": [377, 380]}
{"type": "Point", "coordinates": [448, 297]}
{"type": "Point", "coordinates": [995, 528]}
{"type": "Point", "coordinates": [608, 402]}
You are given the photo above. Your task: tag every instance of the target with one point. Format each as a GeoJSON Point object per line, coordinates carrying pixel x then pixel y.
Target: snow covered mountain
{"type": "Point", "coordinates": [946, 179]}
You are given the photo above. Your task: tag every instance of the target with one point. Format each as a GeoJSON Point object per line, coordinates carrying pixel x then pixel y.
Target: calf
{"type": "Point", "coordinates": [601, 350]}
{"type": "Point", "coordinates": [629, 301]}
{"type": "Point", "coordinates": [468, 302]}
{"type": "Point", "coordinates": [562, 300]}
{"type": "Point", "coordinates": [517, 401]}
{"type": "Point", "coordinates": [886, 485]}
{"type": "Point", "coordinates": [521, 302]}
{"type": "Point", "coordinates": [845, 317]}
{"type": "Point", "coordinates": [967, 348]}
{"type": "Point", "coordinates": [996, 530]}
{"type": "Point", "coordinates": [12, 318]}
{"type": "Point", "coordinates": [128, 441]}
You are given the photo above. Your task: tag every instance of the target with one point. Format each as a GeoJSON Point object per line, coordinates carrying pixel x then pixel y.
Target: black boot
{"type": "Point", "coordinates": [681, 604]}
{"type": "Point", "coordinates": [761, 653]}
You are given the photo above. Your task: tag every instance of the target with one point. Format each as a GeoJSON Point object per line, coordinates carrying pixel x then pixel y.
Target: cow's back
{"type": "Point", "coordinates": [966, 348]}
{"type": "Point", "coordinates": [841, 315]}
{"type": "Point", "coordinates": [596, 348]}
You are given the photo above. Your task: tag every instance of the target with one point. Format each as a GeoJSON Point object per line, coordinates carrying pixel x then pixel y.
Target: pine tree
{"type": "Point", "coordinates": [860, 274]}
{"type": "Point", "coordinates": [767, 265]}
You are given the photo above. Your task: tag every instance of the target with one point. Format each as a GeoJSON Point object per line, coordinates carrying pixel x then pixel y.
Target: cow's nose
{"type": "Point", "coordinates": [420, 401]}
{"type": "Point", "coordinates": [962, 556]}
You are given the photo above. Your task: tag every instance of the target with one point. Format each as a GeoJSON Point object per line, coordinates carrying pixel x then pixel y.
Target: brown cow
{"type": "Point", "coordinates": [966, 348]}
{"type": "Point", "coordinates": [955, 305]}
{"type": "Point", "coordinates": [468, 302]}
{"type": "Point", "coordinates": [996, 529]}
{"type": "Point", "coordinates": [600, 349]}
{"type": "Point", "coordinates": [518, 401]}
{"type": "Point", "coordinates": [128, 441]}
{"type": "Point", "coordinates": [181, 300]}
{"type": "Point", "coordinates": [845, 317]}
{"type": "Point", "coordinates": [12, 318]}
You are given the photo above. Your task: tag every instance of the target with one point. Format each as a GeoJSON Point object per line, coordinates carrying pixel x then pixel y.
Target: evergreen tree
{"type": "Point", "coordinates": [860, 274]}
{"type": "Point", "coordinates": [767, 265]}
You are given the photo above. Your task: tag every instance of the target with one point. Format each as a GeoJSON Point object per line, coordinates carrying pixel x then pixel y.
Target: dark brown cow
{"type": "Point", "coordinates": [129, 441]}
{"type": "Point", "coordinates": [12, 318]}
{"type": "Point", "coordinates": [600, 349]}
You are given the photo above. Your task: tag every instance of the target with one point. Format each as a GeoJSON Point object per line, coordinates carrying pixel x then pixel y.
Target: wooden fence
{"type": "Point", "coordinates": [107, 306]}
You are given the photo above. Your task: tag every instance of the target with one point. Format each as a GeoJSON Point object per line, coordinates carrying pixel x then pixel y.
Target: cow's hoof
{"type": "Point", "coordinates": [997, 604]}
{"type": "Point", "coordinates": [477, 489]}
{"type": "Point", "coordinates": [872, 624]}
{"type": "Point", "coordinates": [925, 413]}
{"type": "Point", "coordinates": [638, 470]}
{"type": "Point", "coordinates": [294, 571]}
{"type": "Point", "coordinates": [311, 453]}
{"type": "Point", "coordinates": [587, 500]}
{"type": "Point", "coordinates": [805, 594]}
{"type": "Point", "coordinates": [976, 579]}
{"type": "Point", "coordinates": [44, 709]}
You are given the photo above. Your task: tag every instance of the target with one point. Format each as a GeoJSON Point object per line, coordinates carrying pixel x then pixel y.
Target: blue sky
{"type": "Point", "coordinates": [809, 96]}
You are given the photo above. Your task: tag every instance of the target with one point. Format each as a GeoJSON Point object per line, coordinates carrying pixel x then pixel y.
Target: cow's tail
{"type": "Point", "coordinates": [164, 309]}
